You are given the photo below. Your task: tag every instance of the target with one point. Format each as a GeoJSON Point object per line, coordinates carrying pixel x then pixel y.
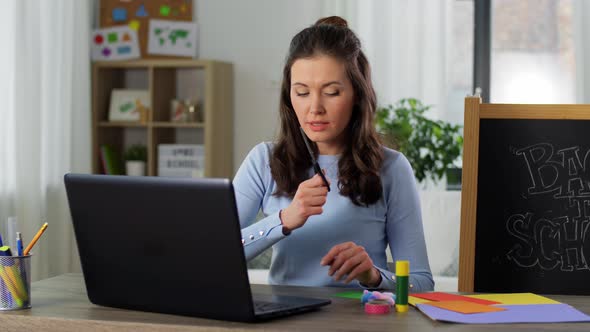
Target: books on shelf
{"type": "Point", "coordinates": [181, 160]}
{"type": "Point", "coordinates": [110, 161]}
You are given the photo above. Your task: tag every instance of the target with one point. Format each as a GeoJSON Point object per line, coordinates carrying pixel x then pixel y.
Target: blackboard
{"type": "Point", "coordinates": [527, 208]}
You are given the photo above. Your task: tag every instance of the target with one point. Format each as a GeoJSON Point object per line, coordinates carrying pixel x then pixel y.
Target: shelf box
{"type": "Point", "coordinates": [184, 83]}
{"type": "Point", "coordinates": [181, 160]}
{"type": "Point", "coordinates": [109, 78]}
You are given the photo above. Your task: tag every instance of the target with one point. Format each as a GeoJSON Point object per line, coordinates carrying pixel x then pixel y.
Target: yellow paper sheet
{"type": "Point", "coordinates": [516, 298]}
{"type": "Point", "coordinates": [412, 300]}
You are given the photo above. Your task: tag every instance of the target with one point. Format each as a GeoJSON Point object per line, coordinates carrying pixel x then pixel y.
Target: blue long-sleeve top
{"type": "Point", "coordinates": [394, 220]}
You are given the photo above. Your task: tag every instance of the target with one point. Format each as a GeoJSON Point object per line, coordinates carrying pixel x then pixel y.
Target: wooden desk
{"type": "Point", "coordinates": [60, 304]}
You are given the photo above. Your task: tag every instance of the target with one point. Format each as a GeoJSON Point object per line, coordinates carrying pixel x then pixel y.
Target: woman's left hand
{"type": "Point", "coordinates": [350, 260]}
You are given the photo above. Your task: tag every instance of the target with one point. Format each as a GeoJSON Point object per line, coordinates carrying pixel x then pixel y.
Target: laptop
{"type": "Point", "coordinates": [167, 245]}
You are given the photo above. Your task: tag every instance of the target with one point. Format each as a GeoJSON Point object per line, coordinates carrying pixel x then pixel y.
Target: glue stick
{"type": "Point", "coordinates": [402, 271]}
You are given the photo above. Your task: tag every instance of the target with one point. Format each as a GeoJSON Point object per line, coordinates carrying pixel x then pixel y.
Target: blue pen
{"type": "Point", "coordinates": [1, 244]}
{"type": "Point", "coordinates": [19, 244]}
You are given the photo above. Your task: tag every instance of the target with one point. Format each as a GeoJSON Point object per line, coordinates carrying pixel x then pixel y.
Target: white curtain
{"type": "Point", "coordinates": [44, 122]}
{"type": "Point", "coordinates": [407, 43]}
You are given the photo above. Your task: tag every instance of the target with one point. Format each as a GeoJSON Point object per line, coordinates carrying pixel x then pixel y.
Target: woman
{"type": "Point", "coordinates": [324, 237]}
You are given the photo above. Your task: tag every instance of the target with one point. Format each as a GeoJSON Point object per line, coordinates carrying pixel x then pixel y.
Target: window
{"type": "Point", "coordinates": [532, 52]}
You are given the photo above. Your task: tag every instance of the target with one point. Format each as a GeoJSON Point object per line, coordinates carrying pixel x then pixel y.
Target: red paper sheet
{"type": "Point", "coordinates": [464, 307]}
{"type": "Point", "coordinates": [438, 296]}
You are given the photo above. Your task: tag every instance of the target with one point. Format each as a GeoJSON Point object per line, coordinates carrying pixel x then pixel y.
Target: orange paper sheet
{"type": "Point", "coordinates": [464, 307]}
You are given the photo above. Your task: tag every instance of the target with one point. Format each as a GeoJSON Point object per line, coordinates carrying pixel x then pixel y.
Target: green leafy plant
{"type": "Point", "coordinates": [431, 146]}
{"type": "Point", "coordinates": [136, 152]}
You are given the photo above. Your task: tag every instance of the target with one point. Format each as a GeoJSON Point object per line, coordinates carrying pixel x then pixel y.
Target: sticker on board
{"type": "Point", "coordinates": [116, 43]}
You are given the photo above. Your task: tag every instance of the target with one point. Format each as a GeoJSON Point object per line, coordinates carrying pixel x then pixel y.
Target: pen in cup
{"type": "Point", "coordinates": [5, 251]}
{"type": "Point", "coordinates": [11, 229]}
{"type": "Point", "coordinates": [19, 243]}
{"type": "Point", "coordinates": [8, 282]}
{"type": "Point", "coordinates": [316, 166]}
{"type": "Point", "coordinates": [34, 240]}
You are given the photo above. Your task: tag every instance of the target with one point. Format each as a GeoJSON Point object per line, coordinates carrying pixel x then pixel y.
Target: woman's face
{"type": "Point", "coordinates": [323, 99]}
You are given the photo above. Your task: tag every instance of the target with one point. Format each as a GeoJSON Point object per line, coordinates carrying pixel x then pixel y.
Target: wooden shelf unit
{"type": "Point", "coordinates": [209, 81]}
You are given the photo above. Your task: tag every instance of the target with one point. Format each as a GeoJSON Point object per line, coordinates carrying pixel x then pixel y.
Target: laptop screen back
{"type": "Point", "coordinates": [161, 244]}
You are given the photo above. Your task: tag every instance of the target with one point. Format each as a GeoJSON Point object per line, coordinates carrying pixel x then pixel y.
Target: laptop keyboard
{"type": "Point", "coordinates": [261, 306]}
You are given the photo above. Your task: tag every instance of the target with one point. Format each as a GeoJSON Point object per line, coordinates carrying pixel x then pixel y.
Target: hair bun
{"type": "Point", "coordinates": [332, 20]}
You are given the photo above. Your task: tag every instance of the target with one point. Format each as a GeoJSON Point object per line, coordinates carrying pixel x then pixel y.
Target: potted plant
{"type": "Point", "coordinates": [135, 159]}
{"type": "Point", "coordinates": [431, 146]}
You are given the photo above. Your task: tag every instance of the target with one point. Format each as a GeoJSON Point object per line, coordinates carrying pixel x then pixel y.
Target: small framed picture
{"type": "Point", "coordinates": [128, 105]}
{"type": "Point", "coordinates": [174, 38]}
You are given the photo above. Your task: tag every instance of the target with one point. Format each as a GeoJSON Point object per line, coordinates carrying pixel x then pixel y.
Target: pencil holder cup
{"type": "Point", "coordinates": [15, 282]}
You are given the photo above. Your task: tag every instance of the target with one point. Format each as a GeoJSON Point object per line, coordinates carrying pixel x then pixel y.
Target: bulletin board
{"type": "Point", "coordinates": [137, 13]}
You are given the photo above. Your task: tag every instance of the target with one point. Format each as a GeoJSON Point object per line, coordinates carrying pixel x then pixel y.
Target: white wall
{"type": "Point", "coordinates": [254, 35]}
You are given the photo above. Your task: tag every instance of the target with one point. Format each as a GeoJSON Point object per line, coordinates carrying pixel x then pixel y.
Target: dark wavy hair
{"type": "Point", "coordinates": [362, 158]}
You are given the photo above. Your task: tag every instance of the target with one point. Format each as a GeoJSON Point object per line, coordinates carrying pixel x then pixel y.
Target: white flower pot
{"type": "Point", "coordinates": [135, 167]}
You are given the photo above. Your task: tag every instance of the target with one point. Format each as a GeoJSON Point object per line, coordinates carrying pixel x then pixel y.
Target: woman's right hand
{"type": "Point", "coordinates": [311, 195]}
